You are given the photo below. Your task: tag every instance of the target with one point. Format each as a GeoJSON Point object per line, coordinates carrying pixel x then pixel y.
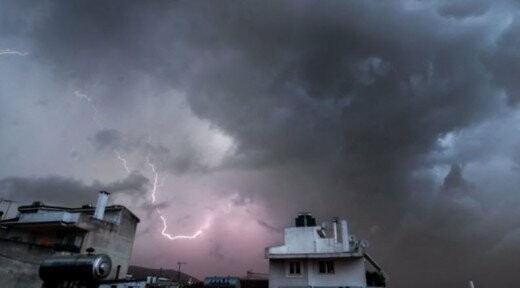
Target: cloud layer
{"type": "Point", "coordinates": [400, 115]}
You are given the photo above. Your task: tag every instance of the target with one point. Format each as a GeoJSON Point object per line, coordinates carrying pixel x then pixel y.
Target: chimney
{"type": "Point", "coordinates": [335, 228]}
{"type": "Point", "coordinates": [344, 235]}
{"type": "Point", "coordinates": [101, 205]}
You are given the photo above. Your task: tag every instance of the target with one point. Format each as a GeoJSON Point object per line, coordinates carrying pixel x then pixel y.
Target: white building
{"type": "Point", "coordinates": [309, 258]}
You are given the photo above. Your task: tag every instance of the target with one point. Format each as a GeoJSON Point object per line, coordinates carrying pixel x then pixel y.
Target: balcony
{"type": "Point", "coordinates": [49, 217]}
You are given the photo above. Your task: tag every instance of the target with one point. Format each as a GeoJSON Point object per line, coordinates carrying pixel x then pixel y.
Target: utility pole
{"type": "Point", "coordinates": [179, 264]}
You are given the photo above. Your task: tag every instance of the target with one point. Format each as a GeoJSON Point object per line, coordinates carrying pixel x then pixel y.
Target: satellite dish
{"type": "Point", "coordinates": [364, 243]}
{"type": "Point", "coordinates": [325, 225]}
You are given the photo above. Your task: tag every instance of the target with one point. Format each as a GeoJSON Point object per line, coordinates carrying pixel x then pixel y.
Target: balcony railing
{"type": "Point", "coordinates": [49, 217]}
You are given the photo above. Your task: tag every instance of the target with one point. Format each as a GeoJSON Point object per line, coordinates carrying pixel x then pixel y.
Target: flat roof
{"type": "Point", "coordinates": [314, 255]}
{"type": "Point", "coordinates": [29, 208]}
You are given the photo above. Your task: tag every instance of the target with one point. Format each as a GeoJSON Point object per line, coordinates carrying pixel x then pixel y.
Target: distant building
{"type": "Point", "coordinates": [222, 282]}
{"type": "Point", "coordinates": [40, 231]}
{"type": "Point", "coordinates": [149, 282]}
{"type": "Point", "coordinates": [309, 258]}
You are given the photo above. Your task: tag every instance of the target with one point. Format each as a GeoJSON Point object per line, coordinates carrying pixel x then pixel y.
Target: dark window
{"type": "Point", "coordinates": [326, 267]}
{"type": "Point", "coordinates": [295, 268]}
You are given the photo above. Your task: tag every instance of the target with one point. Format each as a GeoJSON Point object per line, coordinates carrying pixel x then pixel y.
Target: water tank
{"type": "Point", "coordinates": [75, 267]}
{"type": "Point", "coordinates": [305, 219]}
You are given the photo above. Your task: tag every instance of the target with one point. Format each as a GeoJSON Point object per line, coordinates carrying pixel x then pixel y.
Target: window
{"type": "Point", "coordinates": [294, 268]}
{"type": "Point", "coordinates": [326, 267]}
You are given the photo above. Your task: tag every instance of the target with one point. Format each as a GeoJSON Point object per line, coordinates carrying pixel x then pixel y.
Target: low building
{"type": "Point", "coordinates": [310, 258]}
{"type": "Point", "coordinates": [222, 282]}
{"type": "Point", "coordinates": [40, 231]}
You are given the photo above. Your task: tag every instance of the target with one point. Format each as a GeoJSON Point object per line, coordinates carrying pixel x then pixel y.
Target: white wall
{"type": "Point", "coordinates": [300, 239]}
{"type": "Point", "coordinates": [278, 277]}
{"type": "Point", "coordinates": [307, 240]}
{"type": "Point", "coordinates": [348, 272]}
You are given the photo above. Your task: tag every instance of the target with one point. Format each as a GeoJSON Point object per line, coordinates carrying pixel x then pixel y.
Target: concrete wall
{"type": "Point", "coordinates": [19, 264]}
{"type": "Point", "coordinates": [107, 238]}
{"type": "Point", "coordinates": [114, 240]}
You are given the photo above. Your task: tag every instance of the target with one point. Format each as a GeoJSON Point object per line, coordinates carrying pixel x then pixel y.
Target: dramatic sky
{"type": "Point", "coordinates": [401, 116]}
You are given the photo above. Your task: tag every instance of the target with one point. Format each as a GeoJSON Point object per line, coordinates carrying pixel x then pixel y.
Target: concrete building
{"type": "Point", "coordinates": [40, 231]}
{"type": "Point", "coordinates": [310, 258]}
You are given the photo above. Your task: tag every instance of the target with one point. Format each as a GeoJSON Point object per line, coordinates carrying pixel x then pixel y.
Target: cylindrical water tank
{"type": "Point", "coordinates": [75, 267]}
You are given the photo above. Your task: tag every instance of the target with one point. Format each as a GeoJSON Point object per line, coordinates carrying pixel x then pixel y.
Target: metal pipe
{"type": "Point", "coordinates": [335, 229]}
{"type": "Point", "coordinates": [344, 235]}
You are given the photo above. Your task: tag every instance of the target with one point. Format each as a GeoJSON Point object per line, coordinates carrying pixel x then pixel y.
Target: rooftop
{"type": "Point", "coordinates": [67, 217]}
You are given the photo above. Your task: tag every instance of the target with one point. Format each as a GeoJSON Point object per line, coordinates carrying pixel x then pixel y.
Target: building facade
{"type": "Point", "coordinates": [310, 258]}
{"type": "Point", "coordinates": [40, 231]}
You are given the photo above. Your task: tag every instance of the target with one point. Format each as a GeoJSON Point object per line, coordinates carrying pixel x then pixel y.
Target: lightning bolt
{"type": "Point", "coordinates": [169, 236]}
{"type": "Point", "coordinates": [12, 52]}
{"type": "Point", "coordinates": [155, 186]}
{"type": "Point", "coordinates": [155, 182]}
{"type": "Point", "coordinates": [123, 160]}
{"type": "Point", "coordinates": [95, 111]}
{"type": "Point", "coordinates": [155, 179]}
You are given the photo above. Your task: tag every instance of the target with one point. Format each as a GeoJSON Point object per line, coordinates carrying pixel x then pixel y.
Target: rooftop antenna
{"type": "Point", "coordinates": [179, 264]}
{"type": "Point", "coordinates": [90, 250]}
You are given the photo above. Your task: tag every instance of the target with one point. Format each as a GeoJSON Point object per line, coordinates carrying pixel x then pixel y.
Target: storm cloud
{"type": "Point", "coordinates": [400, 115]}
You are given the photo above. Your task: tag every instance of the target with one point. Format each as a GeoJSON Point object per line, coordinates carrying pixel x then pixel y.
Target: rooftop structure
{"type": "Point", "coordinates": [311, 258]}
{"type": "Point", "coordinates": [40, 231]}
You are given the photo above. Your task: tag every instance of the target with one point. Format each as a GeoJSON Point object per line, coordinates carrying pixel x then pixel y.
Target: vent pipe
{"type": "Point", "coordinates": [344, 235]}
{"type": "Point", "coordinates": [102, 201]}
{"type": "Point", "coordinates": [335, 228]}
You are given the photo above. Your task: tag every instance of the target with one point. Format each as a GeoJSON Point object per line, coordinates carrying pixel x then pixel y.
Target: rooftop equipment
{"type": "Point", "coordinates": [75, 268]}
{"type": "Point", "coordinates": [305, 219]}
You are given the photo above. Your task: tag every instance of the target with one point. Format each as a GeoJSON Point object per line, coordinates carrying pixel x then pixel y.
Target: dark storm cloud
{"type": "Point", "coordinates": [354, 95]}
{"type": "Point", "coordinates": [504, 63]}
{"type": "Point", "coordinates": [108, 139]}
{"type": "Point", "coordinates": [184, 159]}
{"type": "Point", "coordinates": [463, 9]}
{"type": "Point", "coordinates": [134, 183]}
{"type": "Point", "coordinates": [59, 190]}
{"type": "Point", "coordinates": [455, 182]}
{"type": "Point", "coordinates": [217, 252]}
